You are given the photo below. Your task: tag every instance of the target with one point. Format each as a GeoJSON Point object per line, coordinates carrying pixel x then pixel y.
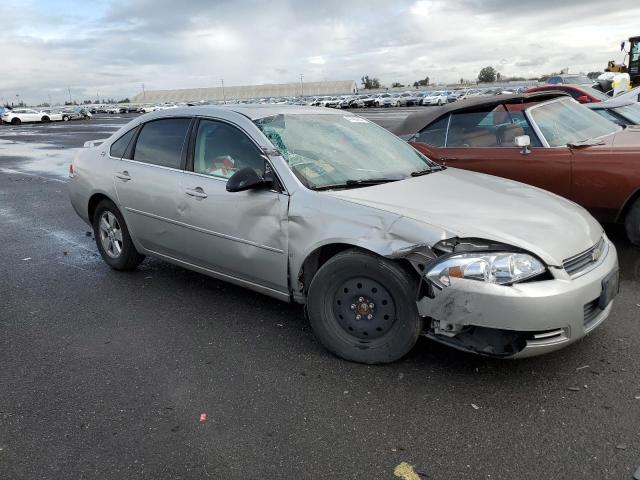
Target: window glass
{"type": "Point", "coordinates": [120, 146]}
{"type": "Point", "coordinates": [222, 149]}
{"type": "Point", "coordinates": [161, 141]}
{"type": "Point", "coordinates": [610, 116]}
{"type": "Point", "coordinates": [630, 112]}
{"type": "Point", "coordinates": [494, 129]}
{"type": "Point", "coordinates": [434, 134]}
{"type": "Point", "coordinates": [565, 121]}
{"type": "Point", "coordinates": [323, 150]}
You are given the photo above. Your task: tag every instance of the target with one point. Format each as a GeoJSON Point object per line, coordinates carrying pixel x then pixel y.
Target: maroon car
{"type": "Point", "coordinates": [545, 139]}
{"type": "Point", "coordinates": [582, 93]}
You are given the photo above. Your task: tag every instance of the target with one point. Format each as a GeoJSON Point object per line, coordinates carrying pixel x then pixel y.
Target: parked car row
{"type": "Point", "coordinates": [17, 116]}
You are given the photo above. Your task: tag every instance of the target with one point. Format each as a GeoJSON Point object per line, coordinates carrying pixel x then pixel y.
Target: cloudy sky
{"type": "Point", "coordinates": [112, 47]}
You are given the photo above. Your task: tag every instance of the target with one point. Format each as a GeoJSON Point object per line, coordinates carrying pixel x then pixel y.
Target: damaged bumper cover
{"type": "Point", "coordinates": [522, 319]}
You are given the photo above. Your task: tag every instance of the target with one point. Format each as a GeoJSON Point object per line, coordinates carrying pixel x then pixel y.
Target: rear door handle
{"type": "Point", "coordinates": [447, 159]}
{"type": "Point", "coordinates": [124, 176]}
{"type": "Point", "coordinates": [196, 192]}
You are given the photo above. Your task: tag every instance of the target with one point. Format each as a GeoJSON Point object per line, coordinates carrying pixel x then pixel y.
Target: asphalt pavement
{"type": "Point", "coordinates": [107, 375]}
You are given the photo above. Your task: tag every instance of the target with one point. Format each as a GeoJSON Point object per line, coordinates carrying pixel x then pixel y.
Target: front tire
{"type": "Point", "coordinates": [113, 238]}
{"type": "Point", "coordinates": [16, 121]}
{"type": "Point", "coordinates": [65, 118]}
{"type": "Point", "coordinates": [363, 308]}
{"type": "Point", "coordinates": [632, 223]}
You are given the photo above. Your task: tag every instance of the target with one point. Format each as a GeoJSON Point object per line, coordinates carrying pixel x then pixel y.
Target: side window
{"type": "Point", "coordinates": [222, 149]}
{"type": "Point", "coordinates": [120, 146]}
{"type": "Point", "coordinates": [473, 129]}
{"type": "Point", "coordinates": [435, 133]}
{"type": "Point", "coordinates": [554, 80]}
{"type": "Point", "coordinates": [161, 141]}
{"type": "Point", "coordinates": [495, 129]}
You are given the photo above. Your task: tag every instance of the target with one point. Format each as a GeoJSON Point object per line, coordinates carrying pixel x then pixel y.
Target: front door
{"type": "Point", "coordinates": [240, 234]}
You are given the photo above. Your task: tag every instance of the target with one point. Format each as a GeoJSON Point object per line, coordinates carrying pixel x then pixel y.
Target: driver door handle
{"type": "Point", "coordinates": [124, 176]}
{"type": "Point", "coordinates": [196, 192]}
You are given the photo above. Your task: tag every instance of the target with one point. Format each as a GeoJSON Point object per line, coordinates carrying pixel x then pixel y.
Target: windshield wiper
{"type": "Point", "coordinates": [426, 171]}
{"type": "Point", "coordinates": [589, 142]}
{"type": "Point", "coordinates": [356, 183]}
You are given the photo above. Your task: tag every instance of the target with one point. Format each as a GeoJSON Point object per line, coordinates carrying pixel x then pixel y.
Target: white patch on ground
{"type": "Point", "coordinates": [39, 157]}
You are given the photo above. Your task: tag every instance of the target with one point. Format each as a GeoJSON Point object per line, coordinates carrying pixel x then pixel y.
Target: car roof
{"type": "Point", "coordinates": [251, 111]}
{"type": "Point", "coordinates": [417, 121]}
{"type": "Point", "coordinates": [578, 86]}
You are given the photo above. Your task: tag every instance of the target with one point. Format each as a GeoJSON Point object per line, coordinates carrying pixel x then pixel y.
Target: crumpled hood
{"type": "Point", "coordinates": [484, 206]}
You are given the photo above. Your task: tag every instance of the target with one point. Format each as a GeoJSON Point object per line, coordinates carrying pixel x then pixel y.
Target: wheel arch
{"type": "Point", "coordinates": [629, 202]}
{"type": "Point", "coordinates": [94, 200]}
{"type": "Point", "coordinates": [321, 255]}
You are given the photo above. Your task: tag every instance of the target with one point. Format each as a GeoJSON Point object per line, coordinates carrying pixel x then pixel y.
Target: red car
{"type": "Point", "coordinates": [582, 93]}
{"type": "Point", "coordinates": [545, 139]}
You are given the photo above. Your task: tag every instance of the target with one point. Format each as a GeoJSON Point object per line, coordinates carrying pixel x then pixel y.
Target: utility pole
{"type": "Point", "coordinates": [224, 98]}
{"type": "Point", "coordinates": [301, 86]}
{"type": "Point", "coordinates": [18, 97]}
{"type": "Point", "coordinates": [69, 90]}
{"type": "Point", "coordinates": [144, 94]}
{"type": "Point", "coordinates": [50, 100]}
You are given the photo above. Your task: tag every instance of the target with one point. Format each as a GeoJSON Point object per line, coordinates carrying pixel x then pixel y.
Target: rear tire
{"type": "Point", "coordinates": [16, 121]}
{"type": "Point", "coordinates": [380, 292]}
{"type": "Point", "coordinates": [65, 118]}
{"type": "Point", "coordinates": [113, 238]}
{"type": "Point", "coordinates": [45, 119]}
{"type": "Point", "coordinates": [632, 223]}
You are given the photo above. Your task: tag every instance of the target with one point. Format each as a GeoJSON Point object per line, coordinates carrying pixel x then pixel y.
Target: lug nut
{"type": "Point", "coordinates": [371, 305]}
{"type": "Point", "coordinates": [358, 317]}
{"type": "Point", "coordinates": [353, 306]}
{"type": "Point", "coordinates": [369, 317]}
{"type": "Point", "coordinates": [361, 299]}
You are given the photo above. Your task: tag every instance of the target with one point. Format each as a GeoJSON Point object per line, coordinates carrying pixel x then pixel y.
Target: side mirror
{"type": "Point", "coordinates": [584, 99]}
{"type": "Point", "coordinates": [523, 142]}
{"type": "Point", "coordinates": [246, 179]}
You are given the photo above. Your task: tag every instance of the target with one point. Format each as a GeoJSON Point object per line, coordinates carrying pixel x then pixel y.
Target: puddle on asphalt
{"type": "Point", "coordinates": [39, 157]}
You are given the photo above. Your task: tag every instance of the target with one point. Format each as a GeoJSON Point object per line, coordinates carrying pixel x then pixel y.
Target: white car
{"type": "Point", "coordinates": [19, 115]}
{"type": "Point", "coordinates": [407, 99]}
{"type": "Point", "coordinates": [385, 100]}
{"type": "Point", "coordinates": [439, 97]}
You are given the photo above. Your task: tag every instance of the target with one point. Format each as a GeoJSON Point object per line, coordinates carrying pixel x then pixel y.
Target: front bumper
{"type": "Point", "coordinates": [545, 315]}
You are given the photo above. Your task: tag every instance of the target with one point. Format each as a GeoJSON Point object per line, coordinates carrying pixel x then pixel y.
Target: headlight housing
{"type": "Point", "coordinates": [492, 267]}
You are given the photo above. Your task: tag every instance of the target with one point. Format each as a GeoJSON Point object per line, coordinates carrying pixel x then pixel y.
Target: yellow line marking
{"type": "Point", "coordinates": [406, 472]}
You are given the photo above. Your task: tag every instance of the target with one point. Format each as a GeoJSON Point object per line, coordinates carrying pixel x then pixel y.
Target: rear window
{"type": "Point", "coordinates": [120, 146]}
{"type": "Point", "coordinates": [161, 141]}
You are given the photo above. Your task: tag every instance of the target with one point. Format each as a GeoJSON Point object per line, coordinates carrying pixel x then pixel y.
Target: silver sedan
{"type": "Point", "coordinates": [322, 207]}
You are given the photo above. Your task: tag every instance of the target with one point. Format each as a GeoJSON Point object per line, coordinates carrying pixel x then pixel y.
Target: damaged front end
{"type": "Point", "coordinates": [459, 279]}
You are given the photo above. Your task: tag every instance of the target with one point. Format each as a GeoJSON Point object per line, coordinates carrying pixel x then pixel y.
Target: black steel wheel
{"type": "Point", "coordinates": [363, 307]}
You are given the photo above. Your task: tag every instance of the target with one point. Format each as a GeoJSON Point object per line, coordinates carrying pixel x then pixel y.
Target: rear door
{"type": "Point", "coordinates": [147, 181]}
{"type": "Point", "coordinates": [241, 234]}
{"type": "Point", "coordinates": [483, 141]}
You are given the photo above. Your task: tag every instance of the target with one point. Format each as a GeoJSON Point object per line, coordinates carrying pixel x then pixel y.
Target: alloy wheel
{"type": "Point", "coordinates": [110, 235]}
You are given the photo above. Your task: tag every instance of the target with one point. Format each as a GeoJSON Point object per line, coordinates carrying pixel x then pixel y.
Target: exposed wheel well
{"type": "Point", "coordinates": [321, 255]}
{"type": "Point", "coordinates": [627, 206]}
{"type": "Point", "coordinates": [93, 203]}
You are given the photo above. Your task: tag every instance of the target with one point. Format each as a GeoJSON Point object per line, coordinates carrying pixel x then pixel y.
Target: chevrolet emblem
{"type": "Point", "coordinates": [595, 255]}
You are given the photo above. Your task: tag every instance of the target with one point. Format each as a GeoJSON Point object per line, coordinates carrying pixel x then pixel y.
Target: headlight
{"type": "Point", "coordinates": [500, 268]}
